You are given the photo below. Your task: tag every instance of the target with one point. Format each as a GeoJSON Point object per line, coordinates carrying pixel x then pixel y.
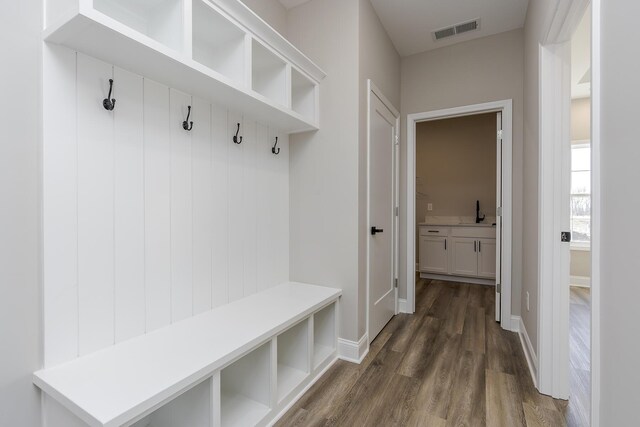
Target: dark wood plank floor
{"type": "Point", "coordinates": [449, 364]}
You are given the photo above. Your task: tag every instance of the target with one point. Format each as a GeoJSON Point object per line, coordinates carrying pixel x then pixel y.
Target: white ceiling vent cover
{"type": "Point", "coordinates": [456, 29]}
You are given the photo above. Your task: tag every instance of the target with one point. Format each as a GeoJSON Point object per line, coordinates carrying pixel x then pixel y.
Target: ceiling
{"type": "Point", "coordinates": [581, 58]}
{"type": "Point", "coordinates": [410, 23]}
{"type": "Point", "coordinates": [292, 3]}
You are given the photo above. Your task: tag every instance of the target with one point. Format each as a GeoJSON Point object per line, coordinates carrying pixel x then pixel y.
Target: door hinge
{"type": "Point", "coordinates": [397, 211]}
{"type": "Point", "coordinates": [395, 283]}
{"type": "Point", "coordinates": [565, 236]}
{"type": "Point", "coordinates": [499, 287]}
{"type": "Point", "coordinates": [499, 211]}
{"type": "Point", "coordinates": [500, 134]}
{"type": "Point", "coordinates": [397, 139]}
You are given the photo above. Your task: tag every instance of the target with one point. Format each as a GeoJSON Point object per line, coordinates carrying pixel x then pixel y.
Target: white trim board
{"type": "Point", "coordinates": [353, 351]}
{"type": "Point", "coordinates": [506, 107]}
{"type": "Point", "coordinates": [527, 348]}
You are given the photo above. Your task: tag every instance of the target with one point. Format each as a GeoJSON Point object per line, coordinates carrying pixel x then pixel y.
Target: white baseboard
{"type": "Point", "coordinates": [353, 351]}
{"type": "Point", "coordinates": [581, 281]}
{"type": "Point", "coordinates": [515, 324]}
{"type": "Point", "coordinates": [530, 354]}
{"type": "Point", "coordinates": [403, 306]}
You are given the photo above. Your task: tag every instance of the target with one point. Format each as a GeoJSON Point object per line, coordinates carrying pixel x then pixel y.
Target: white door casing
{"type": "Point", "coordinates": [382, 212]}
{"type": "Point", "coordinates": [499, 203]}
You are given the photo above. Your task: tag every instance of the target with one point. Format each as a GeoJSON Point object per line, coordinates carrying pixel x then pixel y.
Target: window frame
{"type": "Point", "coordinates": [581, 143]}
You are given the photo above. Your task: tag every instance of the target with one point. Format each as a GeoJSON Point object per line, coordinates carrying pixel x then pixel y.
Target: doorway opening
{"type": "Point", "coordinates": [471, 244]}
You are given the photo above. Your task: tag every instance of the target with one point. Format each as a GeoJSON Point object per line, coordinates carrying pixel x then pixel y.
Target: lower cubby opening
{"type": "Point", "coordinates": [293, 358]}
{"type": "Point", "coordinates": [192, 408]}
{"type": "Point", "coordinates": [245, 388]}
{"type": "Point", "coordinates": [324, 334]}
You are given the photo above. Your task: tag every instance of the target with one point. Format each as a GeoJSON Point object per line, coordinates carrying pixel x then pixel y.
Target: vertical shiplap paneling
{"type": "Point", "coordinates": [264, 226]}
{"type": "Point", "coordinates": [59, 205]}
{"type": "Point", "coordinates": [202, 179]}
{"type": "Point", "coordinates": [157, 193]}
{"type": "Point", "coordinates": [95, 207]}
{"type": "Point", "coordinates": [129, 205]}
{"type": "Point", "coordinates": [220, 143]}
{"type": "Point", "coordinates": [236, 214]}
{"type": "Point", "coordinates": [281, 205]}
{"type": "Point", "coordinates": [250, 207]}
{"type": "Point", "coordinates": [181, 210]}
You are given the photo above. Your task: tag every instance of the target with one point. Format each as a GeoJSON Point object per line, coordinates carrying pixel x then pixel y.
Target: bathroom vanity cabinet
{"type": "Point", "coordinates": [459, 251]}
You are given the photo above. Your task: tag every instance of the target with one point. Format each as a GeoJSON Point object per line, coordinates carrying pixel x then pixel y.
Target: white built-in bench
{"type": "Point", "coordinates": [241, 364]}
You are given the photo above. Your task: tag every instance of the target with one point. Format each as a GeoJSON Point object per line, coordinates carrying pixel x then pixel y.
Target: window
{"type": "Point", "coordinates": [581, 195]}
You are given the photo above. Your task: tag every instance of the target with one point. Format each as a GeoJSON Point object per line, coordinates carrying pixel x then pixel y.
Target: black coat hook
{"type": "Point", "coordinates": [273, 149]}
{"type": "Point", "coordinates": [108, 103]}
{"type": "Point", "coordinates": [186, 125]}
{"type": "Point", "coordinates": [237, 140]}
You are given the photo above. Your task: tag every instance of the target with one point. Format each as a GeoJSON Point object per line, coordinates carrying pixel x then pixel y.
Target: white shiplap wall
{"type": "Point", "coordinates": [145, 224]}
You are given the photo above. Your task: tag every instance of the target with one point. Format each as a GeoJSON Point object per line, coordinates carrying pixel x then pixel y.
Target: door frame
{"type": "Point", "coordinates": [372, 90]}
{"type": "Point", "coordinates": [553, 309]}
{"type": "Point", "coordinates": [506, 107]}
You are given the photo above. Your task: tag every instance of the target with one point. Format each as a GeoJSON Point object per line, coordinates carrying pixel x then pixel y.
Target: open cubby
{"type": "Point", "coordinates": [161, 20]}
{"type": "Point", "coordinates": [303, 95]}
{"type": "Point", "coordinates": [324, 334]}
{"type": "Point", "coordinates": [192, 408]}
{"type": "Point", "coordinates": [293, 358]}
{"type": "Point", "coordinates": [217, 43]}
{"type": "Point", "coordinates": [268, 74]}
{"type": "Point", "coordinates": [245, 388]}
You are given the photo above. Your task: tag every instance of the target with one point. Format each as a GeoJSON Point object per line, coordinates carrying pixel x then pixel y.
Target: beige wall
{"type": "Point", "coordinates": [620, 152]}
{"type": "Point", "coordinates": [456, 165]}
{"type": "Point", "coordinates": [272, 12]}
{"type": "Point", "coordinates": [482, 70]}
{"type": "Point", "coordinates": [20, 287]}
{"type": "Point", "coordinates": [580, 131]}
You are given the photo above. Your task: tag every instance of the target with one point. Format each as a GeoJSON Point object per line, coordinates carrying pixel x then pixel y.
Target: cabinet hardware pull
{"type": "Point", "coordinates": [185, 125]}
{"type": "Point", "coordinates": [237, 140]}
{"type": "Point", "coordinates": [273, 149]}
{"type": "Point", "coordinates": [474, 246]}
{"type": "Point", "coordinates": [445, 244]}
{"type": "Point", "coordinates": [107, 103]}
{"type": "Point", "coordinates": [479, 246]}
{"type": "Point", "coordinates": [434, 231]}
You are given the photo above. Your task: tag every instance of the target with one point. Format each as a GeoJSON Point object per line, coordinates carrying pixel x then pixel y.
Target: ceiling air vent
{"type": "Point", "coordinates": [456, 29]}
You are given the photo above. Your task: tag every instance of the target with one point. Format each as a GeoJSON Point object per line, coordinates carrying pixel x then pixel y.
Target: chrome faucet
{"type": "Point", "coordinates": [478, 218]}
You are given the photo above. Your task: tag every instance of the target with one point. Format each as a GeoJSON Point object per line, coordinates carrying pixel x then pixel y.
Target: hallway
{"type": "Point", "coordinates": [449, 364]}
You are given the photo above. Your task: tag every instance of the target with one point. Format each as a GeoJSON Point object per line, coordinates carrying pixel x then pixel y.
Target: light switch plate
{"type": "Point", "coordinates": [527, 301]}
{"type": "Point", "coordinates": [429, 206]}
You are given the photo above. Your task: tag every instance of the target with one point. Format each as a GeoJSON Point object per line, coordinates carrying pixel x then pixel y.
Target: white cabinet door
{"type": "Point", "coordinates": [433, 254]}
{"type": "Point", "coordinates": [464, 256]}
{"type": "Point", "coordinates": [487, 258]}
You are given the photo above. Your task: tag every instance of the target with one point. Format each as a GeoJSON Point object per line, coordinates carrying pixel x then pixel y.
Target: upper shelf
{"type": "Point", "coordinates": [216, 49]}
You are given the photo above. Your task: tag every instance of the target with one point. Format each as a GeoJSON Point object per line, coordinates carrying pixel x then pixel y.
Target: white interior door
{"type": "Point", "coordinates": [382, 225]}
{"type": "Point", "coordinates": [499, 216]}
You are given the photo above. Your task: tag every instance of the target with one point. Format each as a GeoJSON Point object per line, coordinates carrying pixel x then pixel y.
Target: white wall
{"type": "Point", "coordinates": [482, 70]}
{"type": "Point", "coordinates": [620, 293]}
{"type": "Point", "coordinates": [20, 319]}
{"type": "Point", "coordinates": [272, 11]}
{"type": "Point", "coordinates": [328, 167]}
{"type": "Point", "coordinates": [324, 164]}
{"type": "Point", "coordinates": [145, 223]}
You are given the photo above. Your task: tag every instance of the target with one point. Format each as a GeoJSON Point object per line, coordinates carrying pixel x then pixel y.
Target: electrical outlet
{"type": "Point", "coordinates": [527, 301]}
{"type": "Point", "coordinates": [429, 206]}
